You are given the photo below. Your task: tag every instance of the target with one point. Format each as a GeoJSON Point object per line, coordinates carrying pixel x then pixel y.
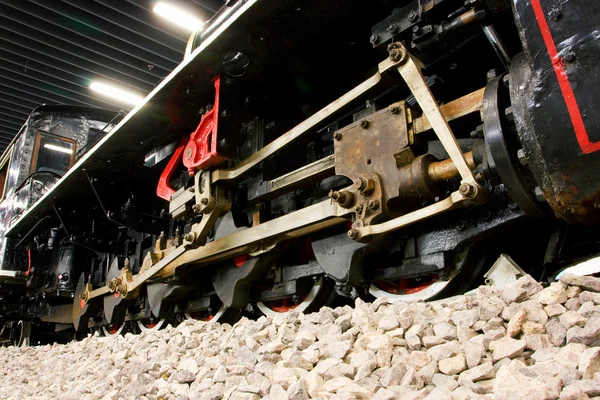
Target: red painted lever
{"type": "Point", "coordinates": [201, 150]}
{"type": "Point", "coordinates": [163, 190]}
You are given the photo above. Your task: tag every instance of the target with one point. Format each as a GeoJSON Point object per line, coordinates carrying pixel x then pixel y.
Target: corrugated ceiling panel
{"type": "Point", "coordinates": [50, 51]}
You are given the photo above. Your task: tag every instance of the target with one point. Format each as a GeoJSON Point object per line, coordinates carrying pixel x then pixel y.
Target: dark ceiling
{"type": "Point", "coordinates": [50, 51]}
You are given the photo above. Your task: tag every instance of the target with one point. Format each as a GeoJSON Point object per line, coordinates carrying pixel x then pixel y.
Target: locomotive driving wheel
{"type": "Point", "coordinates": [421, 288]}
{"type": "Point", "coordinates": [114, 330]}
{"type": "Point", "coordinates": [318, 296]}
{"type": "Point", "coordinates": [152, 325]}
{"type": "Point", "coordinates": [15, 333]}
{"type": "Point", "coordinates": [221, 314]}
{"type": "Point", "coordinates": [469, 266]}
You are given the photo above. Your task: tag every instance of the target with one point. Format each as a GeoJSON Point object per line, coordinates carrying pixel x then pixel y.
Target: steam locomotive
{"type": "Point", "coordinates": [310, 152]}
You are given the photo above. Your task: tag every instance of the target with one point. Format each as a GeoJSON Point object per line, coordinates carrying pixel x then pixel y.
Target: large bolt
{"type": "Point", "coordinates": [491, 74]}
{"type": "Point", "coordinates": [122, 289]}
{"type": "Point", "coordinates": [466, 190]}
{"type": "Point", "coordinates": [397, 53]}
{"type": "Point", "coordinates": [343, 197]}
{"type": "Point", "coordinates": [478, 133]}
{"type": "Point", "coordinates": [338, 197]}
{"type": "Point", "coordinates": [360, 184]}
{"type": "Point", "coordinates": [555, 14]}
{"type": "Point", "coordinates": [374, 39]}
{"type": "Point", "coordinates": [337, 136]}
{"type": "Point", "coordinates": [395, 110]}
{"type": "Point", "coordinates": [412, 16]}
{"type": "Point", "coordinates": [392, 29]}
{"type": "Point", "coordinates": [353, 234]}
{"type": "Point", "coordinates": [373, 204]}
{"type": "Point", "coordinates": [460, 225]}
{"type": "Point", "coordinates": [569, 57]}
{"type": "Point", "coordinates": [204, 201]}
{"type": "Point", "coordinates": [189, 237]}
{"type": "Point", "coordinates": [365, 124]}
{"type": "Point", "coordinates": [364, 185]}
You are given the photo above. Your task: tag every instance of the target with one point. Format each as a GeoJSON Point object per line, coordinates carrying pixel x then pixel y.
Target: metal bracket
{"type": "Point", "coordinates": [447, 204]}
{"type": "Point", "coordinates": [201, 150]}
{"type": "Point", "coordinates": [204, 197]}
{"type": "Point", "coordinates": [410, 70]}
{"type": "Point", "coordinates": [470, 189]}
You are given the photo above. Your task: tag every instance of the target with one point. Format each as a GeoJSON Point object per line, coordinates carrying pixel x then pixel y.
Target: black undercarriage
{"type": "Point", "coordinates": [296, 159]}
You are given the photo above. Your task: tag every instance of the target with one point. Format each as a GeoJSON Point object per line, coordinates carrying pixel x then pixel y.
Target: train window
{"type": "Point", "coordinates": [4, 173]}
{"type": "Point", "coordinates": [52, 154]}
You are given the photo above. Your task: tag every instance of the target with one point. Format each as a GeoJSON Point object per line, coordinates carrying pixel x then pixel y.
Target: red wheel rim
{"type": "Point", "coordinates": [406, 286]}
{"type": "Point", "coordinates": [113, 329]}
{"type": "Point", "coordinates": [283, 305]}
{"type": "Point", "coordinates": [201, 316]}
{"type": "Point", "coordinates": [149, 325]}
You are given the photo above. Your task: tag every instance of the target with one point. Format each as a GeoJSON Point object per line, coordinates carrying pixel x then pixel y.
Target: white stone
{"type": "Point", "coordinates": [465, 317]}
{"type": "Point", "coordinates": [453, 365]}
{"type": "Point", "coordinates": [553, 294]}
{"type": "Point", "coordinates": [445, 331]}
{"type": "Point", "coordinates": [589, 362]}
{"type": "Point", "coordinates": [507, 348]}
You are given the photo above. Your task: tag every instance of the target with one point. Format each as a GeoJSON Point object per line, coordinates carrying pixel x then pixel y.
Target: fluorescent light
{"type": "Point", "coordinates": [58, 148]}
{"type": "Point", "coordinates": [178, 16]}
{"type": "Point", "coordinates": [116, 93]}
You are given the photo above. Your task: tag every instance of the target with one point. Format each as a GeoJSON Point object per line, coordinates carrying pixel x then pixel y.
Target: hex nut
{"type": "Point", "coordinates": [373, 204]}
{"type": "Point", "coordinates": [364, 185]}
{"type": "Point", "coordinates": [539, 194]}
{"type": "Point", "coordinates": [466, 190]}
{"type": "Point", "coordinates": [522, 157]}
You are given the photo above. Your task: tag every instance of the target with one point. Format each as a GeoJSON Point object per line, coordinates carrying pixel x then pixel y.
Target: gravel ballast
{"type": "Point", "coordinates": [522, 342]}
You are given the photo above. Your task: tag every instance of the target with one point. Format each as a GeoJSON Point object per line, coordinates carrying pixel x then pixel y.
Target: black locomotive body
{"type": "Point", "coordinates": [306, 152]}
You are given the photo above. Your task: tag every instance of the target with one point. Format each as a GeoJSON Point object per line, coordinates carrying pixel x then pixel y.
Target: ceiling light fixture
{"type": "Point", "coordinates": [58, 148]}
{"type": "Point", "coordinates": [116, 93]}
{"type": "Point", "coordinates": [178, 16]}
